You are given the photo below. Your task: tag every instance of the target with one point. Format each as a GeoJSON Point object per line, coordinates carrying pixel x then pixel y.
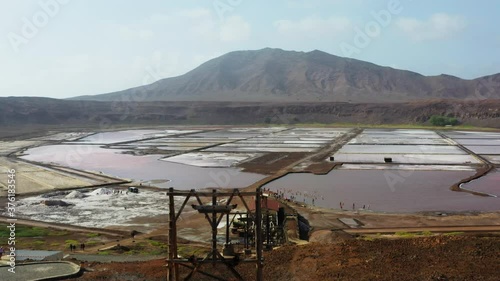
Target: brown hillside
{"type": "Point", "coordinates": [288, 76]}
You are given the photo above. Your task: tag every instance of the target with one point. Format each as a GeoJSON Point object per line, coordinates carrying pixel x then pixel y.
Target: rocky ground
{"type": "Point", "coordinates": [30, 116]}
{"type": "Point", "coordinates": [428, 258]}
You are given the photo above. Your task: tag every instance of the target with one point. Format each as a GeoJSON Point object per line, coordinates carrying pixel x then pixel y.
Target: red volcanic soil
{"type": "Point", "coordinates": [427, 258]}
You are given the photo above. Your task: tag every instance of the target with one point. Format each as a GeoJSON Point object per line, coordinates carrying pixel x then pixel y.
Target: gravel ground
{"type": "Point", "coordinates": [443, 258]}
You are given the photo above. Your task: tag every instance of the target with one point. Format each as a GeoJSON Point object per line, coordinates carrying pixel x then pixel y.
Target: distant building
{"type": "Point", "coordinates": [267, 203]}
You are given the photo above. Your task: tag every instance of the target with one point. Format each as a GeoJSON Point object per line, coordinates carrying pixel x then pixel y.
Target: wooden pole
{"type": "Point", "coordinates": [268, 226]}
{"type": "Point", "coordinates": [171, 236]}
{"type": "Point", "coordinates": [258, 233]}
{"type": "Point", "coordinates": [214, 228]}
{"type": "Point", "coordinates": [227, 229]}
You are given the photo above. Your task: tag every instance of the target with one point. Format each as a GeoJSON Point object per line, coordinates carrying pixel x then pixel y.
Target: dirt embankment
{"type": "Point", "coordinates": [429, 258]}
{"type": "Point", "coordinates": [271, 163]}
{"type": "Point", "coordinates": [435, 258]}
{"type": "Point", "coordinates": [20, 112]}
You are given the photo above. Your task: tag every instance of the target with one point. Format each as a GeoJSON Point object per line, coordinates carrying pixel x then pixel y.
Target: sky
{"type": "Point", "coordinates": [66, 48]}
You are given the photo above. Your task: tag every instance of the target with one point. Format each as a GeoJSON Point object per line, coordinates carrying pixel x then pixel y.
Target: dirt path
{"type": "Point", "coordinates": [123, 242]}
{"type": "Point", "coordinates": [441, 229]}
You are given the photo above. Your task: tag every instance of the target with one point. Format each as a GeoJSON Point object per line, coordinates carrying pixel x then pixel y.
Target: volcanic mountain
{"type": "Point", "coordinates": [289, 76]}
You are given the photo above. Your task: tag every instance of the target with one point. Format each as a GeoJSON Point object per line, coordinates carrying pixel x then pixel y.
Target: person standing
{"type": "Point", "coordinates": [1, 252]}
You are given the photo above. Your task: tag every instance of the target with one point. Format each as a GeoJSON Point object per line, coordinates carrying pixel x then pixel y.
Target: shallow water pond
{"type": "Point", "coordinates": [140, 168]}
{"type": "Point", "coordinates": [384, 190]}
{"type": "Point", "coordinates": [489, 184]}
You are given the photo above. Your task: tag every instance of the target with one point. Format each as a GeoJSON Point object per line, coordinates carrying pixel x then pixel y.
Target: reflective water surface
{"type": "Point", "coordinates": [384, 190]}
{"type": "Point", "coordinates": [489, 184]}
{"type": "Point", "coordinates": [140, 168]}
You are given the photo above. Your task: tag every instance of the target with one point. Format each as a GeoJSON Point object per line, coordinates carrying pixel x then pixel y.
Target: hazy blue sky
{"type": "Point", "coordinates": [64, 48]}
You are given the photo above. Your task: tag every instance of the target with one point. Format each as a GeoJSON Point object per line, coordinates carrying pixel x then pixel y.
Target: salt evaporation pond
{"type": "Point", "coordinates": [495, 159]}
{"type": "Point", "coordinates": [478, 142]}
{"type": "Point", "coordinates": [484, 149]}
{"type": "Point", "coordinates": [489, 184]}
{"type": "Point", "coordinates": [102, 207]}
{"type": "Point", "coordinates": [140, 168]}
{"type": "Point", "coordinates": [130, 135]}
{"type": "Point", "coordinates": [384, 190]}
{"type": "Point", "coordinates": [401, 149]}
{"type": "Point", "coordinates": [120, 136]}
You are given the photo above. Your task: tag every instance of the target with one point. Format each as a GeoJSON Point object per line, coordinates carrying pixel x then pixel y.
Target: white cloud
{"type": "Point", "coordinates": [312, 4]}
{"type": "Point", "coordinates": [314, 26]}
{"type": "Point", "coordinates": [161, 64]}
{"type": "Point", "coordinates": [131, 33]}
{"type": "Point", "coordinates": [235, 28]}
{"type": "Point", "coordinates": [437, 27]}
{"type": "Point", "coordinates": [177, 42]}
{"type": "Point", "coordinates": [158, 18]}
{"type": "Point", "coordinates": [197, 13]}
{"type": "Point", "coordinates": [75, 64]}
{"type": "Point", "coordinates": [201, 23]}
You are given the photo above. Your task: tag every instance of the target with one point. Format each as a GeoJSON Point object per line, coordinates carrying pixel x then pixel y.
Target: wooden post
{"type": "Point", "coordinates": [214, 210]}
{"type": "Point", "coordinates": [258, 233]}
{"type": "Point", "coordinates": [173, 272]}
{"type": "Point", "coordinates": [214, 228]}
{"type": "Point", "coordinates": [268, 226]}
{"type": "Point", "coordinates": [247, 244]}
{"type": "Point", "coordinates": [227, 229]}
{"type": "Point", "coordinates": [171, 223]}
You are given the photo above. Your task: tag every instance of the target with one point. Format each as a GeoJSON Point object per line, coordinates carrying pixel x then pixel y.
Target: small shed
{"type": "Point", "coordinates": [266, 203]}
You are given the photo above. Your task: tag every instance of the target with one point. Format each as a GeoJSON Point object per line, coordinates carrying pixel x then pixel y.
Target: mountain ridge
{"type": "Point", "coordinates": [277, 75]}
